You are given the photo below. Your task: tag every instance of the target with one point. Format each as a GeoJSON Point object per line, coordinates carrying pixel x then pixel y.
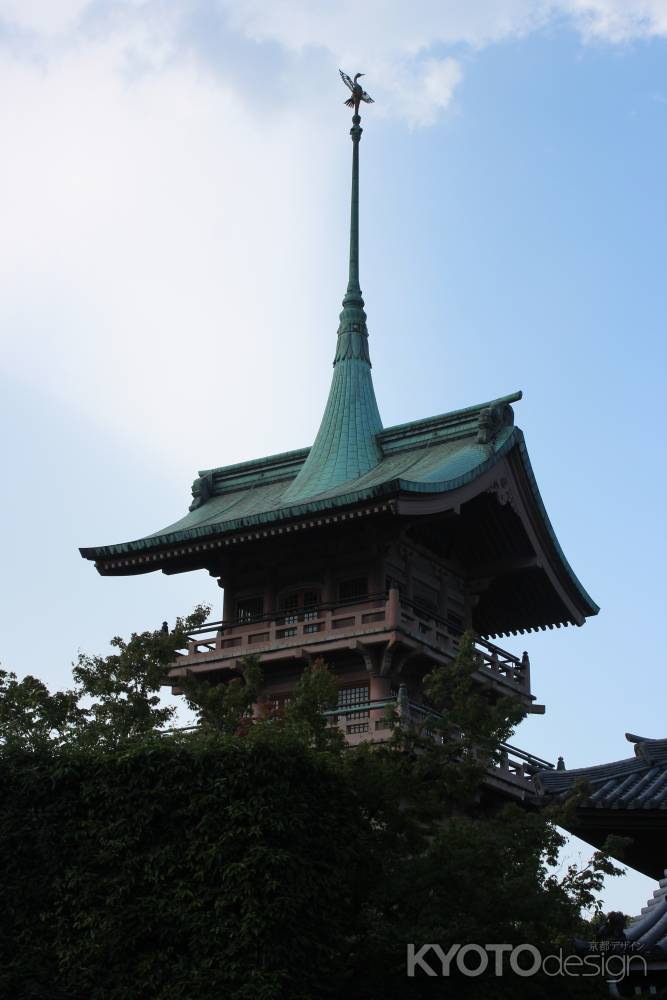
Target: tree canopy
{"type": "Point", "coordinates": [253, 855]}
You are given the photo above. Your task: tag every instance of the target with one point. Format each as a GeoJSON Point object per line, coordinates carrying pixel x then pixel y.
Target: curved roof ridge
{"type": "Point", "coordinates": [346, 445]}
{"type": "Point", "coordinates": [450, 416]}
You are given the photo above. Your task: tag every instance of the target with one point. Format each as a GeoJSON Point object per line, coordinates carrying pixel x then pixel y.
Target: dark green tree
{"type": "Point", "coordinates": [33, 718]}
{"type": "Point", "coordinates": [251, 856]}
{"type": "Point", "coordinates": [224, 709]}
{"type": "Point", "coordinates": [122, 692]}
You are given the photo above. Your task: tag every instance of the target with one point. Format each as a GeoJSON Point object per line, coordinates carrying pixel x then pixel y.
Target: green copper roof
{"type": "Point", "coordinates": [435, 456]}
{"type": "Point", "coordinates": [354, 463]}
{"type": "Point", "coordinates": [346, 444]}
{"type": "Point", "coordinates": [425, 456]}
{"type": "Point", "coordinates": [345, 447]}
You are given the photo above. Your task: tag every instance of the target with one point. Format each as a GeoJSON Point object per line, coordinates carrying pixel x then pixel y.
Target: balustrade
{"type": "Point", "coordinates": [373, 615]}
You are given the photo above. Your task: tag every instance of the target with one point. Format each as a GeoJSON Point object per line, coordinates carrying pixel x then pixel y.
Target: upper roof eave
{"type": "Point", "coordinates": [417, 436]}
{"type": "Point", "coordinates": [286, 464]}
{"type": "Point", "coordinates": [291, 512]}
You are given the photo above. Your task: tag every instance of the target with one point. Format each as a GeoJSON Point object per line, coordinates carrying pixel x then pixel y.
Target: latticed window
{"type": "Point", "coordinates": [349, 589]}
{"type": "Point", "coordinates": [249, 609]}
{"type": "Point", "coordinates": [311, 598]}
{"type": "Point", "coordinates": [351, 695]}
{"type": "Point", "coordinates": [300, 603]}
{"type": "Point", "coordinates": [290, 603]}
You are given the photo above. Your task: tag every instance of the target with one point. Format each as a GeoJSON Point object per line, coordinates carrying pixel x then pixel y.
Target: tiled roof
{"type": "Point", "coordinates": [649, 930]}
{"type": "Point", "coordinates": [638, 782]}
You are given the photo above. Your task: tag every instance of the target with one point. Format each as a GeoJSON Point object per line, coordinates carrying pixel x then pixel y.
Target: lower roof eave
{"type": "Point", "coordinates": [172, 549]}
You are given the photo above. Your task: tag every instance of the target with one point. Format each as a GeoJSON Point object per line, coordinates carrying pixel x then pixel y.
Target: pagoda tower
{"type": "Point", "coordinates": [375, 549]}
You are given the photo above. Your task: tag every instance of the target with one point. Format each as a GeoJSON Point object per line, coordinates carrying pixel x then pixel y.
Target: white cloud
{"type": "Point", "coordinates": [377, 25]}
{"type": "Point", "coordinates": [437, 84]}
{"type": "Point", "coordinates": [354, 29]}
{"type": "Point", "coordinates": [162, 228]}
{"type": "Point", "coordinates": [47, 16]}
{"type": "Point", "coordinates": [618, 20]}
{"type": "Point", "coordinates": [399, 44]}
{"type": "Point", "coordinates": [151, 229]}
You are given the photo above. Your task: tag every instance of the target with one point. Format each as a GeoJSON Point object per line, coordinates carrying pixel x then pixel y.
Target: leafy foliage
{"type": "Point", "coordinates": [124, 688]}
{"type": "Point", "coordinates": [252, 857]}
{"type": "Point", "coordinates": [224, 709]}
{"type": "Point", "coordinates": [33, 718]}
{"type": "Point", "coordinates": [315, 692]}
{"type": "Point", "coordinates": [173, 870]}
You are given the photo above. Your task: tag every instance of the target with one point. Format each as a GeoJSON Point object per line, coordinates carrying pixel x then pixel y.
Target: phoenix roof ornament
{"type": "Point", "coordinates": [358, 92]}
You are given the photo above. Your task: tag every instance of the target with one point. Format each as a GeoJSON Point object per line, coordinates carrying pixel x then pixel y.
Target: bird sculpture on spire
{"type": "Point", "coordinates": [358, 92]}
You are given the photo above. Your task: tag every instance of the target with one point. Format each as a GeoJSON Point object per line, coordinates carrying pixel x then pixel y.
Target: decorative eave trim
{"type": "Point", "coordinates": [146, 562]}
{"type": "Point", "coordinates": [408, 497]}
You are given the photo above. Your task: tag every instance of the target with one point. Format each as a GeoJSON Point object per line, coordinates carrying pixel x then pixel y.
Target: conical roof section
{"type": "Point", "coordinates": [346, 446]}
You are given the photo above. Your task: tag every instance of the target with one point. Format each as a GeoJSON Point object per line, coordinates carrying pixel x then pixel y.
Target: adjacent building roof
{"type": "Point", "coordinates": [649, 931]}
{"type": "Point", "coordinates": [626, 798]}
{"type": "Point", "coordinates": [638, 782]}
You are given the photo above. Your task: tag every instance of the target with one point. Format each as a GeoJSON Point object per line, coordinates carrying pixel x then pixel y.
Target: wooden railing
{"type": "Point", "coordinates": [371, 614]}
{"type": "Point", "coordinates": [373, 722]}
{"type": "Point", "coordinates": [282, 629]}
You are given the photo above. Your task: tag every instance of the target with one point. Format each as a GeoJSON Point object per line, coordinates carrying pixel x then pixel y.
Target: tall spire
{"type": "Point", "coordinates": [352, 331]}
{"type": "Point", "coordinates": [345, 447]}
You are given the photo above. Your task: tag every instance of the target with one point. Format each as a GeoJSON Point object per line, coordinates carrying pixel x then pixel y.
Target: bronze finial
{"type": "Point", "coordinates": [358, 92]}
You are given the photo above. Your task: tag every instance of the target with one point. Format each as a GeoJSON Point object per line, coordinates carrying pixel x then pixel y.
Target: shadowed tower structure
{"type": "Point", "coordinates": [375, 548]}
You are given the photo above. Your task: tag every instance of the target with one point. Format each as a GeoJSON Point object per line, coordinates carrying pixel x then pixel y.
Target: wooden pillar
{"type": "Point", "coordinates": [393, 614]}
{"type": "Point", "coordinates": [228, 609]}
{"type": "Point", "coordinates": [328, 589]}
{"type": "Point", "coordinates": [269, 595]}
{"type": "Point", "coordinates": [380, 688]}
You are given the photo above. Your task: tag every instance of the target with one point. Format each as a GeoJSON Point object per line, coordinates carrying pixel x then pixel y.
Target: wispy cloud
{"type": "Point", "coordinates": [151, 228]}
{"type": "Point", "coordinates": [414, 47]}
{"type": "Point", "coordinates": [148, 144]}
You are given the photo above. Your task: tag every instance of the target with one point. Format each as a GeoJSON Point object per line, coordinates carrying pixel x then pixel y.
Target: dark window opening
{"type": "Point", "coordinates": [249, 609]}
{"type": "Point", "coordinates": [311, 598]}
{"type": "Point", "coordinates": [290, 602]}
{"type": "Point", "coordinates": [300, 604]}
{"type": "Point", "coordinates": [427, 598]}
{"type": "Point", "coordinates": [455, 623]}
{"type": "Point", "coordinates": [349, 589]}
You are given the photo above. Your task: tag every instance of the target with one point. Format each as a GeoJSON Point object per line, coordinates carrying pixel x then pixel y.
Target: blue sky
{"type": "Point", "coordinates": [174, 196]}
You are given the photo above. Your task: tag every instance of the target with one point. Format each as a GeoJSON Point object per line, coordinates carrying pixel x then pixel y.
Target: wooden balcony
{"type": "Point", "coordinates": [367, 625]}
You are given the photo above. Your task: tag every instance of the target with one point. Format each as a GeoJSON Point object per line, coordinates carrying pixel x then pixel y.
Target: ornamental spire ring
{"type": "Point", "coordinates": [358, 92]}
